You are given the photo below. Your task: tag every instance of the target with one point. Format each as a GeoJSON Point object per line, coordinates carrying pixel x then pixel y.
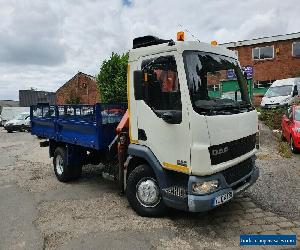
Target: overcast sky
{"type": "Point", "coordinates": [44, 43]}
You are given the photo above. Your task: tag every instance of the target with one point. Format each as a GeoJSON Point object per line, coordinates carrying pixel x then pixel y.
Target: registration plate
{"type": "Point", "coordinates": [223, 198]}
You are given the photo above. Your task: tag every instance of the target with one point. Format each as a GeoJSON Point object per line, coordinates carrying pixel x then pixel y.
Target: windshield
{"type": "Point", "coordinates": [21, 116]}
{"type": "Point", "coordinates": [232, 95]}
{"type": "Point", "coordinates": [297, 114]}
{"type": "Point", "coordinates": [279, 91]}
{"type": "Point", "coordinates": [204, 72]}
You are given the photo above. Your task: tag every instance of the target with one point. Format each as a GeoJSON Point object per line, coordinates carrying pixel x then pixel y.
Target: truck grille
{"type": "Point", "coordinates": [177, 191]}
{"type": "Point", "coordinates": [231, 150]}
{"type": "Point", "coordinates": [238, 171]}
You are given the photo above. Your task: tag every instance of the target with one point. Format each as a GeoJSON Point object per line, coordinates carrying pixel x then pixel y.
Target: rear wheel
{"type": "Point", "coordinates": [64, 171]}
{"type": "Point", "coordinates": [143, 192]}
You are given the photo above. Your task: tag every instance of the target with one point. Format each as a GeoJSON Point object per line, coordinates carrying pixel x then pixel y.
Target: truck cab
{"type": "Point", "coordinates": [193, 151]}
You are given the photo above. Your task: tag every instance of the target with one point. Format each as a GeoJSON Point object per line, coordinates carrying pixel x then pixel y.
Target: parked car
{"type": "Point", "coordinates": [235, 96]}
{"type": "Point", "coordinates": [20, 123]}
{"type": "Point", "coordinates": [281, 93]}
{"type": "Point", "coordinates": [9, 113]}
{"type": "Point", "coordinates": [290, 125]}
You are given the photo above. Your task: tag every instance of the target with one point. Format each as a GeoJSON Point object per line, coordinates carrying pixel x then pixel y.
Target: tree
{"type": "Point", "coordinates": [73, 99]}
{"type": "Point", "coordinates": [112, 79]}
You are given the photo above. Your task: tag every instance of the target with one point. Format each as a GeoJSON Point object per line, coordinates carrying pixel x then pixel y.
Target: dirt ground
{"type": "Point", "coordinates": [38, 212]}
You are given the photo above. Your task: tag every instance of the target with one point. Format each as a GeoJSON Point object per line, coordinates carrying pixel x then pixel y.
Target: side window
{"type": "Point", "coordinates": [163, 90]}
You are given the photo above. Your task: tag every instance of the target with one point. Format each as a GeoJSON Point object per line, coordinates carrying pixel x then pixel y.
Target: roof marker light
{"type": "Point", "coordinates": [180, 36]}
{"type": "Point", "coordinates": [214, 43]}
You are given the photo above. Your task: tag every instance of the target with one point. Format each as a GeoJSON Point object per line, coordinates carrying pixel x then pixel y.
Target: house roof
{"type": "Point", "coordinates": [81, 73]}
{"type": "Point", "coordinates": [261, 40]}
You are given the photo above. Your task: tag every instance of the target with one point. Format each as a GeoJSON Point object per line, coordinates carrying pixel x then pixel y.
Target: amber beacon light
{"type": "Point", "coordinates": [214, 43]}
{"type": "Point", "coordinates": [180, 36]}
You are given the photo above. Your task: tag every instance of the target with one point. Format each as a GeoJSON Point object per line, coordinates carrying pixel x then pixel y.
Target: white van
{"type": "Point", "coordinates": [281, 93]}
{"type": "Point", "coordinates": [20, 123]}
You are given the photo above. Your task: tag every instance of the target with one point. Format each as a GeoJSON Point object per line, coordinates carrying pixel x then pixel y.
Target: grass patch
{"type": "Point", "coordinates": [271, 117]}
{"type": "Point", "coordinates": [283, 148]}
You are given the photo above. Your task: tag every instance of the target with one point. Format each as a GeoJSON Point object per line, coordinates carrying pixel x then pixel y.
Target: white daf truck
{"type": "Point", "coordinates": [177, 146]}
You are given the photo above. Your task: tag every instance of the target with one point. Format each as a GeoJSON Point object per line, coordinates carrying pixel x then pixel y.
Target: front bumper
{"type": "Point", "coordinates": [274, 106]}
{"type": "Point", "coordinates": [183, 197]}
{"type": "Point", "coordinates": [201, 203]}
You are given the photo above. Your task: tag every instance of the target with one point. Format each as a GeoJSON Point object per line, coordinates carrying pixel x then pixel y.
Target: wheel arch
{"type": "Point", "coordinates": [140, 155]}
{"type": "Point", "coordinates": [53, 145]}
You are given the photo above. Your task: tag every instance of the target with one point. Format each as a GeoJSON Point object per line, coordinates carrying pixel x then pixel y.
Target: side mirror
{"type": "Point", "coordinates": [172, 117]}
{"type": "Point", "coordinates": [138, 84]}
{"type": "Point", "coordinates": [295, 92]}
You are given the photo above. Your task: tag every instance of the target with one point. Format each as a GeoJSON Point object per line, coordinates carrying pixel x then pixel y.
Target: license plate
{"type": "Point", "coordinates": [273, 106]}
{"type": "Point", "coordinates": [223, 198]}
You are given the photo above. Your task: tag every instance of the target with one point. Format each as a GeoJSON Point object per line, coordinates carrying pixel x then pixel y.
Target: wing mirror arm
{"type": "Point", "coordinates": [172, 117]}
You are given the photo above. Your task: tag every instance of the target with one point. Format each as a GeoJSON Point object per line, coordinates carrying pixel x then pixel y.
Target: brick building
{"type": "Point", "coordinates": [81, 88]}
{"type": "Point", "coordinates": [271, 58]}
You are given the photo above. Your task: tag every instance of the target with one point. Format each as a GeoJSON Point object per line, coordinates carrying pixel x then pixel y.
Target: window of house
{"type": "Point", "coordinates": [214, 87]}
{"type": "Point", "coordinates": [263, 84]}
{"type": "Point", "coordinates": [163, 92]}
{"type": "Point", "coordinates": [296, 49]}
{"type": "Point", "coordinates": [236, 53]}
{"type": "Point", "coordinates": [261, 53]}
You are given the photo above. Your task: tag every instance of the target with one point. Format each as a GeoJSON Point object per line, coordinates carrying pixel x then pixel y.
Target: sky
{"type": "Point", "coordinates": [45, 43]}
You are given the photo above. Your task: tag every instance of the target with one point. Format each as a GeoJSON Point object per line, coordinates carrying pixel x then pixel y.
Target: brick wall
{"type": "Point", "coordinates": [284, 65]}
{"type": "Point", "coordinates": [82, 87]}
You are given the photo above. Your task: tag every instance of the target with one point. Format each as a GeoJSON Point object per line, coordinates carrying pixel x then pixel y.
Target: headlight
{"type": "Point", "coordinates": [297, 130]}
{"type": "Point", "coordinates": [286, 100]}
{"type": "Point", "coordinates": [205, 187]}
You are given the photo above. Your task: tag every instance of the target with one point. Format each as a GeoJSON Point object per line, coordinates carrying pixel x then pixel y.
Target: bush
{"type": "Point", "coordinates": [272, 117]}
{"type": "Point", "coordinates": [112, 79]}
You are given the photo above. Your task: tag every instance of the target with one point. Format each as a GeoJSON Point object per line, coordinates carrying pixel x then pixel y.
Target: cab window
{"type": "Point", "coordinates": [163, 90]}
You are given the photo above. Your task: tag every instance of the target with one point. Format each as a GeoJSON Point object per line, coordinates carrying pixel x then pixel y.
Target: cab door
{"type": "Point", "coordinates": [162, 119]}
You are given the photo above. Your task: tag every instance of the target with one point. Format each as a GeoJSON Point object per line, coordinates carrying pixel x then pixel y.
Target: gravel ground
{"type": "Point", "coordinates": [278, 188]}
{"type": "Point", "coordinates": [38, 212]}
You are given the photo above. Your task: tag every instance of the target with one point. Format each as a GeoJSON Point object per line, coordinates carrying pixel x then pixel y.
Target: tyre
{"type": "Point", "coordinates": [292, 146]}
{"type": "Point", "coordinates": [64, 171]}
{"type": "Point", "coordinates": [143, 192]}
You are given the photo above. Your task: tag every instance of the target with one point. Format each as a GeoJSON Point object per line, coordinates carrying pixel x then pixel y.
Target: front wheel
{"type": "Point", "coordinates": [143, 192]}
{"type": "Point", "coordinates": [64, 171]}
